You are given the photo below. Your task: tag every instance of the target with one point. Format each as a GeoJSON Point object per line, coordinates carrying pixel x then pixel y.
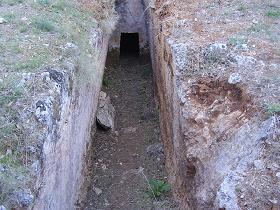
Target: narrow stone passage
{"type": "Point", "coordinates": [116, 180]}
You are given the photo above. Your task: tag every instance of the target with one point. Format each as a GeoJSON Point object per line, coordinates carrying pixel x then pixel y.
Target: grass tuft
{"type": "Point", "coordinates": [158, 188]}
{"type": "Point", "coordinates": [59, 6]}
{"type": "Point", "coordinates": [273, 13]}
{"type": "Point", "coordinates": [273, 109]}
{"type": "Point", "coordinates": [260, 27]}
{"type": "Point", "coordinates": [31, 64]}
{"type": "Point", "coordinates": [7, 99]}
{"type": "Point", "coordinates": [107, 82]}
{"type": "Point", "coordinates": [44, 25]}
{"type": "Point", "coordinates": [241, 8]}
{"type": "Point", "coordinates": [147, 72]}
{"type": "Point", "coordinates": [44, 2]}
{"type": "Point", "coordinates": [237, 40]}
{"type": "Point", "coordinates": [11, 2]}
{"type": "Point", "coordinates": [9, 17]}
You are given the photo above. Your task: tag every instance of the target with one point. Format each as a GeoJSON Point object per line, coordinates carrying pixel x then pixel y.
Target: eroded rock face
{"type": "Point", "coordinates": [228, 147]}
{"type": "Point", "coordinates": [69, 125]}
{"type": "Point", "coordinates": [222, 149]}
{"type": "Point", "coordinates": [227, 155]}
{"type": "Point", "coordinates": [25, 198]}
{"type": "Point", "coordinates": [106, 112]}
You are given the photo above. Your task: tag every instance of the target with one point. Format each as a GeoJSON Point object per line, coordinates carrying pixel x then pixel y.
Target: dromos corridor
{"type": "Point", "coordinates": [122, 160]}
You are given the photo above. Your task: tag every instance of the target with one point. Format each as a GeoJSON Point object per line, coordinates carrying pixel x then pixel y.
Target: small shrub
{"type": "Point", "coordinates": [10, 17]}
{"type": "Point", "coordinates": [6, 99]}
{"type": "Point", "coordinates": [44, 2]}
{"type": "Point", "coordinates": [273, 13]}
{"type": "Point", "coordinates": [237, 40]}
{"type": "Point", "coordinates": [260, 27]}
{"type": "Point", "coordinates": [30, 64]}
{"type": "Point", "coordinates": [12, 2]}
{"type": "Point", "coordinates": [3, 48]}
{"type": "Point", "coordinates": [107, 82]}
{"type": "Point", "coordinates": [241, 8]}
{"type": "Point", "coordinates": [14, 47]}
{"type": "Point", "coordinates": [10, 160]}
{"type": "Point", "coordinates": [44, 25]}
{"type": "Point", "coordinates": [23, 29]}
{"type": "Point", "coordinates": [59, 5]}
{"type": "Point", "coordinates": [158, 188]}
{"type": "Point", "coordinates": [278, 51]}
{"type": "Point", "coordinates": [273, 109]}
{"type": "Point", "coordinates": [147, 72]}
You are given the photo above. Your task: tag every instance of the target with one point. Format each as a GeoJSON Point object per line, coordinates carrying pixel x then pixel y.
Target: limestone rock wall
{"type": "Point", "coordinates": [170, 121]}
{"type": "Point", "coordinates": [64, 149]}
{"type": "Point", "coordinates": [222, 148]}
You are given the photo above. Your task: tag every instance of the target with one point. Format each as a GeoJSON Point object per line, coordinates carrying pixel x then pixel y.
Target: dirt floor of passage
{"type": "Point", "coordinates": [120, 163]}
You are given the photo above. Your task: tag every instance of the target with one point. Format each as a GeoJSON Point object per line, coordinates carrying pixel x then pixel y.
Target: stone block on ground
{"type": "Point", "coordinates": [106, 112]}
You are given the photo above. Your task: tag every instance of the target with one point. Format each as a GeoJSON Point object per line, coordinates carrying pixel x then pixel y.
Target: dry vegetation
{"type": "Point", "coordinates": [32, 36]}
{"type": "Point", "coordinates": [249, 29]}
{"type": "Point", "coordinates": [105, 17]}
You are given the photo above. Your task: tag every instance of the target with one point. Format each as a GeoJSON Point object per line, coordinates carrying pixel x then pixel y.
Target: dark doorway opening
{"type": "Point", "coordinates": [129, 44]}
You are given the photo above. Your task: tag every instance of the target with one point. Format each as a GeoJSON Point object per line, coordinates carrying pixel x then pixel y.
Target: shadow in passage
{"type": "Point", "coordinates": [120, 157]}
{"type": "Point", "coordinates": [129, 45]}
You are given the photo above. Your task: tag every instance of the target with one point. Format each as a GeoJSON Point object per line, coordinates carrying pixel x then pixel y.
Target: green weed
{"type": "Point", "coordinates": [59, 5]}
{"type": "Point", "coordinates": [7, 99]}
{"type": "Point", "coordinates": [43, 2]}
{"type": "Point", "coordinates": [31, 64]}
{"type": "Point", "coordinates": [11, 2]}
{"type": "Point", "coordinates": [241, 8]}
{"type": "Point", "coordinates": [107, 82]}
{"type": "Point", "coordinates": [147, 72]}
{"type": "Point", "coordinates": [7, 131]}
{"type": "Point", "coordinates": [14, 47]}
{"type": "Point", "coordinates": [273, 13]}
{"type": "Point", "coordinates": [10, 160]}
{"type": "Point", "coordinates": [2, 48]}
{"type": "Point", "coordinates": [237, 40]}
{"type": "Point", "coordinates": [277, 51]}
{"type": "Point", "coordinates": [23, 29]}
{"type": "Point", "coordinates": [259, 27]}
{"type": "Point", "coordinates": [226, 13]}
{"type": "Point", "coordinates": [158, 188]}
{"type": "Point", "coordinates": [273, 109]}
{"type": "Point", "coordinates": [9, 17]}
{"type": "Point", "coordinates": [44, 25]}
